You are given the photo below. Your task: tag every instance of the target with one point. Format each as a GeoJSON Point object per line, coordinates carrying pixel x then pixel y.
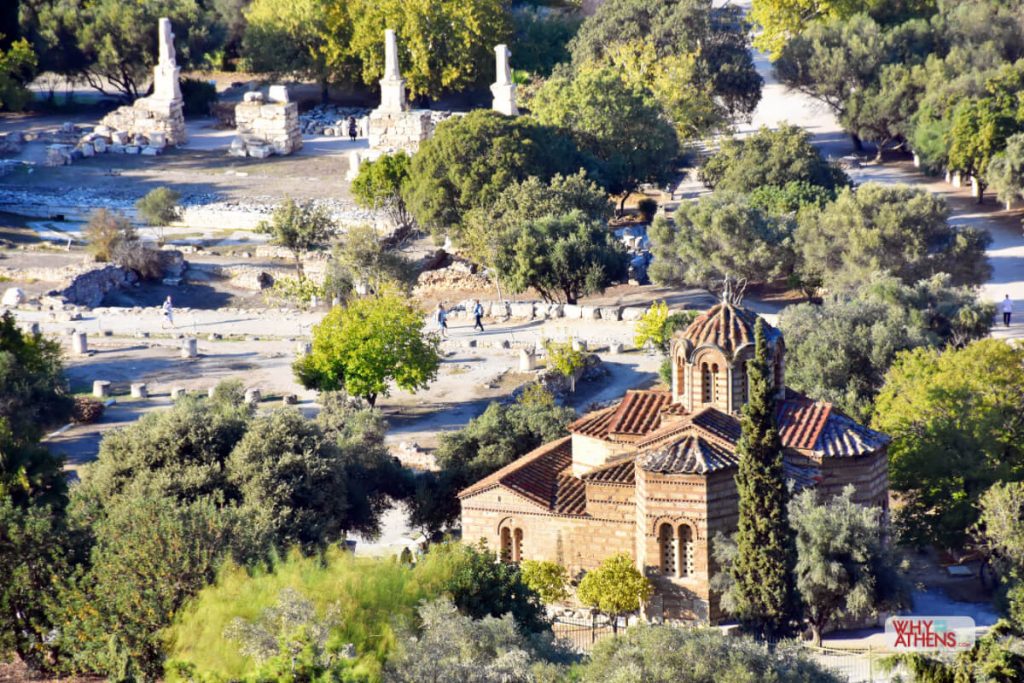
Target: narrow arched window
{"type": "Point", "coordinates": [517, 546]}
{"type": "Point", "coordinates": [667, 549]}
{"type": "Point", "coordinates": [707, 383]}
{"type": "Point", "coordinates": [714, 383]}
{"type": "Point", "coordinates": [686, 558]}
{"type": "Point", "coordinates": [506, 545]}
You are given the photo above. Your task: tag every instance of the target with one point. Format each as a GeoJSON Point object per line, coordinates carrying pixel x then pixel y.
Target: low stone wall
{"type": "Point", "coordinates": [88, 289]}
{"type": "Point", "coordinates": [266, 128]}
{"type": "Point", "coordinates": [540, 310]}
{"type": "Point", "coordinates": [400, 130]}
{"type": "Point", "coordinates": [150, 117]}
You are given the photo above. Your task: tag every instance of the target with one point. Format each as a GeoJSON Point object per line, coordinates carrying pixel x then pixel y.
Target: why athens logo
{"type": "Point", "coordinates": [925, 634]}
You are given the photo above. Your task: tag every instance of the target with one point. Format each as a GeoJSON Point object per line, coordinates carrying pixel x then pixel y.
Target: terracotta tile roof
{"type": "Point", "coordinates": [594, 424]}
{"type": "Point", "coordinates": [570, 497]}
{"type": "Point", "coordinates": [639, 412]}
{"type": "Point", "coordinates": [726, 326]}
{"type": "Point", "coordinates": [532, 476]}
{"type": "Point", "coordinates": [842, 437]}
{"type": "Point", "coordinates": [692, 454]}
{"type": "Point", "coordinates": [717, 423]}
{"type": "Point", "coordinates": [800, 421]}
{"type": "Point", "coordinates": [616, 472]}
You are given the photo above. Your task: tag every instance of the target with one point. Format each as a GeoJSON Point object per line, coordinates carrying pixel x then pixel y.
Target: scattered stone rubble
{"type": "Point", "coordinates": [332, 121]}
{"type": "Point", "coordinates": [267, 125]}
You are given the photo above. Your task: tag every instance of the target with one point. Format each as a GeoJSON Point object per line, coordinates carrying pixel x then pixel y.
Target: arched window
{"type": "Point", "coordinates": [714, 383]}
{"type": "Point", "coordinates": [506, 545]}
{"type": "Point", "coordinates": [667, 548]}
{"type": "Point", "coordinates": [741, 373]}
{"type": "Point", "coordinates": [517, 546]}
{"type": "Point", "coordinates": [685, 551]}
{"type": "Point", "coordinates": [707, 384]}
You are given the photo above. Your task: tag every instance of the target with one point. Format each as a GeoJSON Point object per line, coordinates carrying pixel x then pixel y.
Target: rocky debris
{"type": "Point", "coordinates": [449, 279]}
{"type": "Point", "coordinates": [411, 455]}
{"type": "Point", "coordinates": [332, 120]}
{"type": "Point", "coordinates": [11, 143]}
{"type": "Point", "coordinates": [89, 288]}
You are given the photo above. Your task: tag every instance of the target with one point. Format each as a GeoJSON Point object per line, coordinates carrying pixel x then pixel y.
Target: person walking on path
{"type": "Point", "coordinates": [478, 314]}
{"type": "Point", "coordinates": [352, 128]}
{"type": "Point", "coordinates": [442, 320]}
{"type": "Point", "coordinates": [1007, 308]}
{"type": "Point", "coordinates": [168, 312]}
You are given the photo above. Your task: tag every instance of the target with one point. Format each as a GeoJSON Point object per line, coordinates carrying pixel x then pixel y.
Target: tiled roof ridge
{"type": "Point", "coordinates": [638, 411]}
{"type": "Point", "coordinates": [724, 325]}
{"type": "Point", "coordinates": [495, 478]}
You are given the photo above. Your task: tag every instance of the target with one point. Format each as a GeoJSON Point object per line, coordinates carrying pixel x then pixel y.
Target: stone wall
{"type": "Point", "coordinates": [400, 130]}
{"type": "Point", "coordinates": [266, 127]}
{"type": "Point", "coordinates": [89, 288]}
{"type": "Point", "coordinates": [149, 117]}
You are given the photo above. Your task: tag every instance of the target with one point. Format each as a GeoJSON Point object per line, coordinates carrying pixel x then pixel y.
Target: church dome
{"type": "Point", "coordinates": [726, 326]}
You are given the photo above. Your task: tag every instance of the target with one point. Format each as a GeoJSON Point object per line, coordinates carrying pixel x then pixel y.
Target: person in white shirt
{"type": "Point", "coordinates": [1007, 308]}
{"type": "Point", "coordinates": [442, 320]}
{"type": "Point", "coordinates": [168, 311]}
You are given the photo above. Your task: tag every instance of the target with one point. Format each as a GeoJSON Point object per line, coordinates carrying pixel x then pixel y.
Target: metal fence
{"type": "Point", "coordinates": [854, 664]}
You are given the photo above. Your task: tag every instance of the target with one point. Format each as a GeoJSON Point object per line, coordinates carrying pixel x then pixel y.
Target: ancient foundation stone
{"type": "Point", "coordinates": [189, 348]}
{"type": "Point", "coordinates": [101, 388]}
{"type": "Point", "coordinates": [266, 127]}
{"type": "Point", "coordinates": [253, 396]}
{"type": "Point", "coordinates": [177, 392]}
{"type": "Point", "coordinates": [79, 344]}
{"type": "Point", "coordinates": [400, 130]}
{"type": "Point", "coordinates": [140, 391]}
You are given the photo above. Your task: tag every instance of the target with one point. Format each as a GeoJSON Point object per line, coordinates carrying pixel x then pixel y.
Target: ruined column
{"type": "Point", "coordinates": [139, 390]}
{"type": "Point", "coordinates": [392, 86]}
{"type": "Point", "coordinates": [189, 348]}
{"type": "Point", "coordinates": [101, 388]}
{"type": "Point", "coordinates": [527, 361]}
{"type": "Point", "coordinates": [79, 344]}
{"type": "Point", "coordinates": [177, 392]}
{"type": "Point", "coordinates": [253, 396]}
{"type": "Point", "coordinates": [503, 89]}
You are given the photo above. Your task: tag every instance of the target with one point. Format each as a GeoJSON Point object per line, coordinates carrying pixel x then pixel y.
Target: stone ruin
{"type": "Point", "coordinates": [146, 127]}
{"type": "Point", "coordinates": [503, 89]}
{"type": "Point", "coordinates": [393, 125]}
{"type": "Point", "coordinates": [266, 126]}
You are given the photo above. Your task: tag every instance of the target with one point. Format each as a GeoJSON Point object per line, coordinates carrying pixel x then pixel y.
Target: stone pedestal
{"type": "Point", "coordinates": [101, 388]}
{"type": "Point", "coordinates": [253, 396]}
{"type": "Point", "coordinates": [392, 86]}
{"type": "Point", "coordinates": [303, 348]}
{"type": "Point", "coordinates": [917, 160]}
{"type": "Point", "coordinates": [400, 130]}
{"type": "Point", "coordinates": [579, 345]}
{"type": "Point", "coordinates": [975, 187]}
{"type": "Point", "coordinates": [211, 392]}
{"type": "Point", "coordinates": [189, 348]}
{"type": "Point", "coordinates": [177, 392]}
{"type": "Point", "coordinates": [527, 361]}
{"type": "Point", "coordinates": [615, 348]}
{"type": "Point", "coordinates": [140, 391]}
{"type": "Point", "coordinates": [79, 344]}
{"type": "Point", "coordinates": [266, 127]}
{"type": "Point", "coordinates": [503, 89]}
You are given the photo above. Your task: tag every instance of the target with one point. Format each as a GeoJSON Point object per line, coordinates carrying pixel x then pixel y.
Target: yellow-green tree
{"type": "Point", "coordinates": [444, 45]}
{"type": "Point", "coordinates": [367, 346]}
{"type": "Point", "coordinates": [566, 360]}
{"type": "Point", "coordinates": [651, 327]}
{"type": "Point", "coordinates": [546, 579]}
{"type": "Point", "coordinates": [616, 587]}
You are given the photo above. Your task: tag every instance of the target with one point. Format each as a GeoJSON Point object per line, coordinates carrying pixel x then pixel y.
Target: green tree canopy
{"type": "Point", "coordinates": [713, 40]}
{"type": "Point", "coordinates": [844, 568]}
{"type": "Point", "coordinates": [562, 257]}
{"type": "Point", "coordinates": [612, 121]}
{"type": "Point", "coordinates": [763, 597]}
{"type": "Point", "coordinates": [1005, 173]}
{"type": "Point", "coordinates": [547, 579]}
{"type": "Point", "coordinates": [367, 345]}
{"type": "Point", "coordinates": [444, 45]}
{"type": "Point", "coordinates": [119, 40]}
{"type": "Point", "coordinates": [530, 200]}
{"type": "Point", "coordinates": [667, 654]}
{"type": "Point", "coordinates": [160, 206]}
{"type": "Point", "coordinates": [472, 159]}
{"type": "Point", "coordinates": [840, 351]}
{"type": "Point", "coordinates": [770, 157]}
{"type": "Point", "coordinates": [17, 67]}
{"type": "Point", "coordinates": [717, 236]}
{"type": "Point", "coordinates": [955, 420]}
{"type": "Point", "coordinates": [299, 227]}
{"type": "Point", "coordinates": [379, 186]}
{"type": "Point", "coordinates": [1001, 528]}
{"type": "Point", "coordinates": [895, 230]}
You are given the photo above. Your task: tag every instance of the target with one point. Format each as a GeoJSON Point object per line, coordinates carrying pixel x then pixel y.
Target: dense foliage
{"type": "Point", "coordinates": [955, 420]}
{"type": "Point", "coordinates": [299, 227]}
{"type": "Point", "coordinates": [369, 344]}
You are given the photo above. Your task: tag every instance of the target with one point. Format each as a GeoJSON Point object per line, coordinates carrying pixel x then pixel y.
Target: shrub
{"type": "Point", "coordinates": [105, 230]}
{"type": "Point", "coordinates": [159, 206]}
{"type": "Point", "coordinates": [199, 96]}
{"type": "Point", "coordinates": [135, 256]}
{"type": "Point", "coordinates": [86, 410]}
{"type": "Point", "coordinates": [648, 207]}
{"type": "Point", "coordinates": [546, 579]}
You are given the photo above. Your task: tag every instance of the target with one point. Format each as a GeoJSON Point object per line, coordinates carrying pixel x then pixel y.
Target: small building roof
{"type": "Point", "coordinates": [727, 326]}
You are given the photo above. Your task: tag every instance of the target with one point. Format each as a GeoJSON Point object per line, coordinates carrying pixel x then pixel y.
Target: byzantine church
{"type": "Point", "coordinates": [653, 475]}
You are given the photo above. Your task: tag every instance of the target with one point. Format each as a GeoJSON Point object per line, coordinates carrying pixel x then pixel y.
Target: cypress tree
{"type": "Point", "coordinates": [764, 594]}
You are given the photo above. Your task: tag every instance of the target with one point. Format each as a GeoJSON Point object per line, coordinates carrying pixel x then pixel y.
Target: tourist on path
{"type": "Point", "coordinates": [478, 314]}
{"type": "Point", "coordinates": [352, 128]}
{"type": "Point", "coordinates": [168, 312]}
{"type": "Point", "coordinates": [1007, 308]}
{"type": "Point", "coordinates": [442, 320]}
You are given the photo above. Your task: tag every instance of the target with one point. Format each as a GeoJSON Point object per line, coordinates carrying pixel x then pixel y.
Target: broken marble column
{"type": "Point", "coordinates": [615, 348]}
{"type": "Point", "coordinates": [189, 348]}
{"type": "Point", "coordinates": [165, 74]}
{"type": "Point", "coordinates": [392, 86]}
{"type": "Point", "coordinates": [503, 89]}
{"type": "Point", "coordinates": [527, 361]}
{"type": "Point", "coordinates": [579, 345]}
{"type": "Point", "coordinates": [101, 388]}
{"type": "Point", "coordinates": [79, 344]}
{"type": "Point", "coordinates": [303, 348]}
{"type": "Point", "coordinates": [139, 390]}
{"type": "Point", "coordinates": [253, 396]}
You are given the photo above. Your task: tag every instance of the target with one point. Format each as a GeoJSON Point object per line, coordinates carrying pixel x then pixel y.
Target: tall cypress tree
{"type": "Point", "coordinates": [764, 596]}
